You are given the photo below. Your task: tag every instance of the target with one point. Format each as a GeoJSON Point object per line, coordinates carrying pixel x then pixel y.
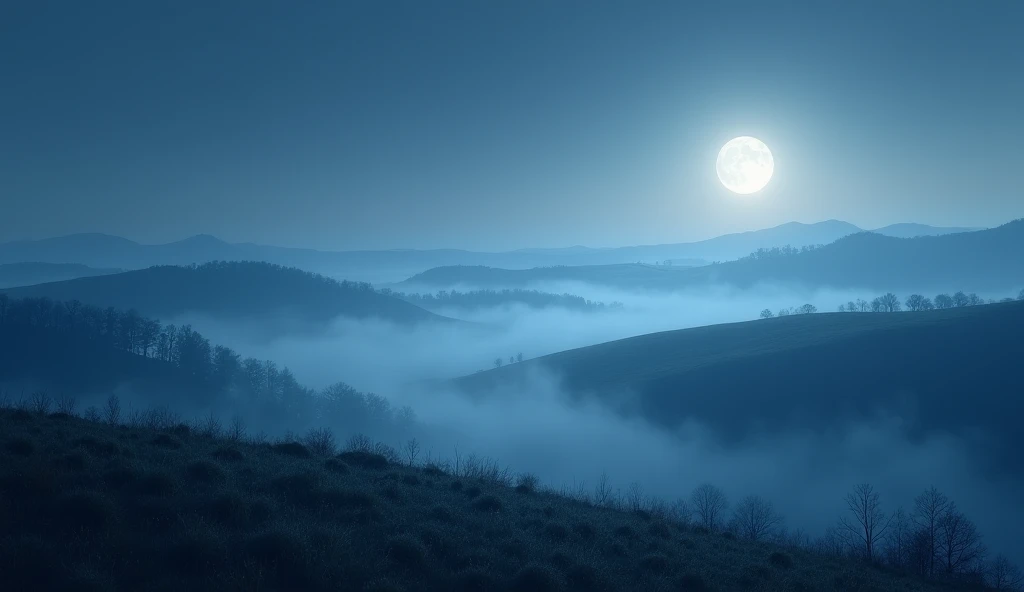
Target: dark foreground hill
{"type": "Point", "coordinates": [231, 290]}
{"type": "Point", "coordinates": [986, 261]}
{"type": "Point", "coordinates": [25, 274]}
{"type": "Point", "coordinates": [954, 371]}
{"type": "Point", "coordinates": [86, 505]}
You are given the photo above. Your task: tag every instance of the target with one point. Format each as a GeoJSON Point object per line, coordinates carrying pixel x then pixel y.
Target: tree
{"type": "Point", "coordinates": [767, 314]}
{"type": "Point", "coordinates": [783, 312]}
{"type": "Point", "coordinates": [709, 503]}
{"type": "Point", "coordinates": [1020, 296]}
{"type": "Point", "coordinates": [808, 309]}
{"type": "Point", "coordinates": [917, 302]}
{"type": "Point", "coordinates": [511, 359]}
{"type": "Point", "coordinates": [862, 305]}
{"type": "Point", "coordinates": [889, 302]}
{"type": "Point", "coordinates": [974, 300]}
{"type": "Point", "coordinates": [959, 543]}
{"type": "Point", "coordinates": [755, 518]}
{"type": "Point", "coordinates": [866, 524]}
{"type": "Point", "coordinates": [498, 362]}
{"type": "Point", "coordinates": [1004, 575]}
{"type": "Point", "coordinates": [929, 507]}
{"type": "Point", "coordinates": [899, 540]}
{"type": "Point", "coordinates": [961, 300]}
{"type": "Point", "coordinates": [944, 301]}
{"type": "Point", "coordinates": [519, 357]}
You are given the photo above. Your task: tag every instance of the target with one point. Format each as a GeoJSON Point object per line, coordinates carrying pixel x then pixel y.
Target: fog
{"type": "Point", "coordinates": [538, 429]}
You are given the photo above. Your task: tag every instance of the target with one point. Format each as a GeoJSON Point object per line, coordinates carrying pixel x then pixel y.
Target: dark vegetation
{"type": "Point", "coordinates": [476, 299]}
{"type": "Point", "coordinates": [231, 290]}
{"type": "Point", "coordinates": [24, 274]}
{"type": "Point", "coordinates": [986, 259]}
{"type": "Point", "coordinates": [91, 505]}
{"type": "Point", "coordinates": [74, 348]}
{"type": "Point", "coordinates": [737, 378]}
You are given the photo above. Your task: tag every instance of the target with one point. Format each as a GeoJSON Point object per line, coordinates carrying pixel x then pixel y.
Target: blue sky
{"type": "Point", "coordinates": [497, 125]}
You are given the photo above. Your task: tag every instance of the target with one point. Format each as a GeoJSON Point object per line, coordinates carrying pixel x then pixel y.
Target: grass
{"type": "Point", "coordinates": [89, 506]}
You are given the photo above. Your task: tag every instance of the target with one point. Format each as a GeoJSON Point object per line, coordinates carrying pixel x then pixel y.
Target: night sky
{"type": "Point", "coordinates": [499, 125]}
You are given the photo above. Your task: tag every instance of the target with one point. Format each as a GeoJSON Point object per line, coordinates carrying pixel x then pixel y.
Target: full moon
{"type": "Point", "coordinates": [744, 165]}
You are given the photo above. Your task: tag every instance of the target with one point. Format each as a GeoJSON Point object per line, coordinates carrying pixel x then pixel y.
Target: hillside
{"type": "Point", "coordinates": [25, 274]}
{"type": "Point", "coordinates": [85, 505]}
{"type": "Point", "coordinates": [231, 290]}
{"type": "Point", "coordinates": [950, 370]}
{"type": "Point", "coordinates": [911, 230]}
{"type": "Point", "coordinates": [984, 261]}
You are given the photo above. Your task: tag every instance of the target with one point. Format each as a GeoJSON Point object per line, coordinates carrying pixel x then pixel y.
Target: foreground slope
{"type": "Point", "coordinates": [238, 289]}
{"type": "Point", "coordinates": [953, 370]}
{"type": "Point", "coordinates": [91, 506]}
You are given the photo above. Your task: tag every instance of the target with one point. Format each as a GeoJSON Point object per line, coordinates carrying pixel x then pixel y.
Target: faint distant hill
{"type": "Point", "coordinates": [950, 371]}
{"type": "Point", "coordinates": [24, 274]}
{"type": "Point", "coordinates": [910, 230]}
{"type": "Point", "coordinates": [231, 290]}
{"type": "Point", "coordinates": [985, 261]}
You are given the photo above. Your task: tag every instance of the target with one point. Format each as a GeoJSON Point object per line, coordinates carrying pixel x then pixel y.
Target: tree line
{"type": "Point", "coordinates": [890, 302]}
{"type": "Point", "coordinates": [215, 372]}
{"type": "Point", "coordinates": [475, 299]}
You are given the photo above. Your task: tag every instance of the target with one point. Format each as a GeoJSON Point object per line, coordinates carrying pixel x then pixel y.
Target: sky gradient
{"type": "Point", "coordinates": [500, 125]}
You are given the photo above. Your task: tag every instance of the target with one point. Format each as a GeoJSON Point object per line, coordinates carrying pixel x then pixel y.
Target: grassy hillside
{"type": "Point", "coordinates": [90, 506]}
{"type": "Point", "coordinates": [237, 289]}
{"type": "Point", "coordinates": [25, 274]}
{"type": "Point", "coordinates": [946, 369]}
{"type": "Point", "coordinates": [980, 261]}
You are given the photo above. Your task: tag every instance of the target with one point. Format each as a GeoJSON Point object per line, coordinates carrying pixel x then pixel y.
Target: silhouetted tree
{"type": "Point", "coordinates": [709, 504]}
{"type": "Point", "coordinates": [917, 302]}
{"type": "Point", "coordinates": [1020, 296]}
{"type": "Point", "coordinates": [866, 524]}
{"type": "Point", "coordinates": [519, 357]}
{"type": "Point", "coordinates": [929, 508]}
{"type": "Point", "coordinates": [961, 300]}
{"type": "Point", "coordinates": [755, 518]}
{"type": "Point", "coordinates": [767, 314]}
{"type": "Point", "coordinates": [899, 540]}
{"type": "Point", "coordinates": [498, 362]}
{"type": "Point", "coordinates": [889, 302]}
{"type": "Point", "coordinates": [974, 300]}
{"type": "Point", "coordinates": [808, 309]}
{"type": "Point", "coordinates": [959, 545]}
{"type": "Point", "coordinates": [862, 305]}
{"type": "Point", "coordinates": [1004, 575]}
{"type": "Point", "coordinates": [944, 301]}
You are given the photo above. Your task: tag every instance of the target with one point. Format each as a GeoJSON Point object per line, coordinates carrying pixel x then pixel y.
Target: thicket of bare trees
{"type": "Point", "coordinates": [889, 302]}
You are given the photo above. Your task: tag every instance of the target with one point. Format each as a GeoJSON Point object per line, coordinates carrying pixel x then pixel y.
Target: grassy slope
{"type": "Point", "coordinates": [952, 368]}
{"type": "Point", "coordinates": [87, 506]}
{"type": "Point", "coordinates": [231, 290]}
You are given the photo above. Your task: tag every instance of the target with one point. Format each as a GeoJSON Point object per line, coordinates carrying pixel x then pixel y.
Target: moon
{"type": "Point", "coordinates": [745, 165]}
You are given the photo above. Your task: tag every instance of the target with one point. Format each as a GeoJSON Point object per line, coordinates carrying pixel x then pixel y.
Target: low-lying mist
{"type": "Point", "coordinates": [537, 429]}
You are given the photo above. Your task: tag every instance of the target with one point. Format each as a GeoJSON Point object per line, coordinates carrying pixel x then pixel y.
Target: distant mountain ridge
{"type": "Point", "coordinates": [983, 261]}
{"type": "Point", "coordinates": [105, 251]}
{"type": "Point", "coordinates": [24, 274]}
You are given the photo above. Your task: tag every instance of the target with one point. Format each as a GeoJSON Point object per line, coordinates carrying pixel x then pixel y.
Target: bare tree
{"type": "Point", "coordinates": [862, 305]}
{"type": "Point", "coordinates": [603, 491]}
{"type": "Point", "coordinates": [1004, 575]}
{"type": "Point", "coordinates": [112, 412]}
{"type": "Point", "coordinates": [959, 544]}
{"type": "Point", "coordinates": [867, 523]}
{"type": "Point", "coordinates": [635, 496]}
{"type": "Point", "coordinates": [890, 302]}
{"type": "Point", "coordinates": [709, 503]}
{"type": "Point", "coordinates": [767, 314]}
{"type": "Point", "coordinates": [929, 508]}
{"type": "Point", "coordinates": [412, 450]}
{"type": "Point", "coordinates": [961, 300]}
{"type": "Point", "coordinates": [944, 301]}
{"type": "Point", "coordinates": [808, 309]}
{"type": "Point", "coordinates": [899, 540]}
{"type": "Point", "coordinates": [755, 518]}
{"type": "Point", "coordinates": [1020, 296]}
{"type": "Point", "coordinates": [917, 302]}
{"type": "Point", "coordinates": [519, 357]}
{"type": "Point", "coordinates": [498, 362]}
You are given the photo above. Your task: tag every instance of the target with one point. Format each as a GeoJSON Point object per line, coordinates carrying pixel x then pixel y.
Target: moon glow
{"type": "Point", "coordinates": [744, 165]}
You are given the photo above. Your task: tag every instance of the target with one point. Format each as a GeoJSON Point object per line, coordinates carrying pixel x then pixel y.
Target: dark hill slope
{"type": "Point", "coordinates": [952, 370]}
{"type": "Point", "coordinates": [90, 506]}
{"type": "Point", "coordinates": [238, 289]}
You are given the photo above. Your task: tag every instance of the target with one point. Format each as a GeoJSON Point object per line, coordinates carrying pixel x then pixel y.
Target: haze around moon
{"type": "Point", "coordinates": [745, 165]}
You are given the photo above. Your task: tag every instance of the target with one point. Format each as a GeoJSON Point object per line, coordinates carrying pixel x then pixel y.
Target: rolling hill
{"type": "Point", "coordinates": [949, 370]}
{"type": "Point", "coordinates": [25, 274]}
{"type": "Point", "coordinates": [985, 261]}
{"type": "Point", "coordinates": [231, 290]}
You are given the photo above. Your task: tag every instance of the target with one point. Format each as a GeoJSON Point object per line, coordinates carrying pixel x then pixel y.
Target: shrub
{"type": "Point", "coordinates": [584, 530]}
{"type": "Point", "coordinates": [433, 470]}
{"type": "Point", "coordinates": [780, 560]}
{"type": "Point", "coordinates": [487, 503]}
{"type": "Point", "coordinates": [291, 449]}
{"type": "Point", "coordinates": [336, 466]}
{"type": "Point", "coordinates": [364, 459]}
{"type": "Point", "coordinates": [202, 471]}
{"type": "Point", "coordinates": [410, 480]}
{"type": "Point", "coordinates": [535, 578]}
{"type": "Point", "coordinates": [165, 441]}
{"type": "Point", "coordinates": [320, 441]}
{"type": "Point", "coordinates": [660, 530]}
{"type": "Point", "coordinates": [527, 483]}
{"type": "Point", "coordinates": [228, 453]}
{"type": "Point", "coordinates": [472, 492]}
{"type": "Point", "coordinates": [407, 552]}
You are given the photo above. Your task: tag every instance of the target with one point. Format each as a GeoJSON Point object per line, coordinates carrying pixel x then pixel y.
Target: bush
{"type": "Point", "coordinates": [407, 553]}
{"type": "Point", "coordinates": [336, 466]}
{"type": "Point", "coordinates": [291, 449]}
{"type": "Point", "coordinates": [320, 441]}
{"type": "Point", "coordinates": [487, 503]}
{"type": "Point", "coordinates": [165, 441]}
{"type": "Point", "coordinates": [228, 453]}
{"type": "Point", "coordinates": [780, 560]}
{"type": "Point", "coordinates": [527, 483]}
{"type": "Point", "coordinates": [659, 530]}
{"type": "Point", "coordinates": [364, 459]}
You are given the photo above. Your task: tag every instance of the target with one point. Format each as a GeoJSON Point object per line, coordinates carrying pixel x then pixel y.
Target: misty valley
{"type": "Point", "coordinates": [609, 431]}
